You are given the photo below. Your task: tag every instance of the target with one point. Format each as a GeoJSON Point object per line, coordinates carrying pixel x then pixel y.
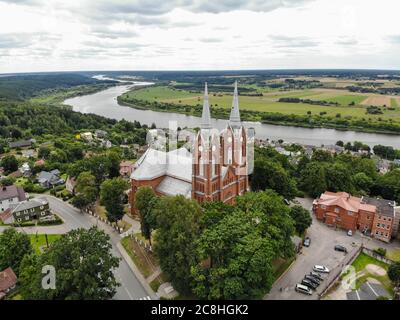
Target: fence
{"type": "Point", "coordinates": [377, 256]}
{"type": "Point", "coordinates": [336, 273]}
{"type": "Point", "coordinates": [118, 229]}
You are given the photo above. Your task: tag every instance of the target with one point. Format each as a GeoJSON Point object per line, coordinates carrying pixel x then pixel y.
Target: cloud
{"type": "Point", "coordinates": [281, 41]}
{"type": "Point", "coordinates": [211, 40]}
{"type": "Point", "coordinates": [347, 42]}
{"type": "Point", "coordinates": [395, 39]}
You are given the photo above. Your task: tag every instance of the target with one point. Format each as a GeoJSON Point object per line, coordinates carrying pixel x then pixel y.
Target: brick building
{"type": "Point", "coordinates": [214, 169]}
{"type": "Point", "coordinates": [372, 216]}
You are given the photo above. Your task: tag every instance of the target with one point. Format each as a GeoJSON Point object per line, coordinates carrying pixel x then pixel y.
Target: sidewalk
{"type": "Point", "coordinates": [136, 271]}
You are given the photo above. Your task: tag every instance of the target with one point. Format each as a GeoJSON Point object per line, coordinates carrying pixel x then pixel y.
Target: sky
{"type": "Point", "coordinates": [59, 35]}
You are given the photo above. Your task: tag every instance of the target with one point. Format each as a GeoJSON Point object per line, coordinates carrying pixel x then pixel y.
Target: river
{"type": "Point", "coordinates": [104, 103]}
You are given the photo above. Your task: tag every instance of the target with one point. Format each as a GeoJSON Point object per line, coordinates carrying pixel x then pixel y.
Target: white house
{"type": "Point", "coordinates": [10, 195]}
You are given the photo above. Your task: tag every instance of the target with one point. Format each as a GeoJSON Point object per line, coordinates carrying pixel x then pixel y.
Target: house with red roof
{"type": "Point", "coordinates": [372, 216]}
{"type": "Point", "coordinates": [8, 281]}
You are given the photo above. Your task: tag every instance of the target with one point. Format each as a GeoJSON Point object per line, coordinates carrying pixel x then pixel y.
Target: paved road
{"type": "Point", "coordinates": [130, 288]}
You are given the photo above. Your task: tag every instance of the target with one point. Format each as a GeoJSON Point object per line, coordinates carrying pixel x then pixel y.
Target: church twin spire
{"type": "Point", "coordinates": [234, 119]}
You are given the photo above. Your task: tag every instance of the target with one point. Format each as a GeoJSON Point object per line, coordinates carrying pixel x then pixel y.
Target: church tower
{"type": "Point", "coordinates": [206, 158]}
{"type": "Point", "coordinates": [219, 171]}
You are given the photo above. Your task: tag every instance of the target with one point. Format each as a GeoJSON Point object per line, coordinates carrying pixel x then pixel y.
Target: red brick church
{"type": "Point", "coordinates": [216, 168]}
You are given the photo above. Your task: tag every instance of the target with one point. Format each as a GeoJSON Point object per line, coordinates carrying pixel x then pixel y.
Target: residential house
{"type": "Point", "coordinates": [25, 169]}
{"type": "Point", "coordinates": [21, 144]}
{"type": "Point", "coordinates": [87, 136]}
{"type": "Point", "coordinates": [383, 166]}
{"type": "Point", "coordinates": [16, 174]}
{"type": "Point", "coordinates": [29, 153]}
{"type": "Point", "coordinates": [70, 185]}
{"type": "Point", "coordinates": [35, 209]}
{"type": "Point", "coordinates": [8, 281]}
{"type": "Point", "coordinates": [39, 163]}
{"type": "Point", "coordinates": [10, 195]}
{"type": "Point", "coordinates": [126, 168]}
{"type": "Point", "coordinates": [49, 179]}
{"type": "Point", "coordinates": [372, 216]}
{"type": "Point", "coordinates": [100, 134]}
{"type": "Point", "coordinates": [106, 144]}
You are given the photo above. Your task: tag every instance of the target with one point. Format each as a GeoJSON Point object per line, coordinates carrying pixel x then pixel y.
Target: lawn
{"type": "Point", "coordinates": [39, 240]}
{"type": "Point", "coordinates": [144, 261]}
{"type": "Point", "coordinates": [361, 262]}
{"type": "Point", "coordinates": [269, 101]}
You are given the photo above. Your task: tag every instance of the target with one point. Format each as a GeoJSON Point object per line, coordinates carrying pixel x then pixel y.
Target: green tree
{"type": "Point", "coordinates": [271, 175]}
{"type": "Point", "coordinates": [273, 219]}
{"type": "Point", "coordinates": [235, 260]}
{"type": "Point", "coordinates": [362, 182]}
{"type": "Point", "coordinates": [313, 179]}
{"type": "Point", "coordinates": [84, 267]}
{"type": "Point", "coordinates": [14, 246]}
{"type": "Point", "coordinates": [337, 177]}
{"type": "Point", "coordinates": [9, 163]}
{"type": "Point", "coordinates": [145, 203]}
{"type": "Point", "coordinates": [394, 273]}
{"type": "Point", "coordinates": [302, 218]}
{"type": "Point", "coordinates": [388, 185]}
{"type": "Point", "coordinates": [112, 195]}
{"type": "Point", "coordinates": [178, 228]}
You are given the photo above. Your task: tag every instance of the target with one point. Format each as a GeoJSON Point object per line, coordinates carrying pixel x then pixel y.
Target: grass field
{"type": "Point", "coordinates": [269, 101]}
{"type": "Point", "coordinates": [362, 261]}
{"type": "Point", "coordinates": [39, 240]}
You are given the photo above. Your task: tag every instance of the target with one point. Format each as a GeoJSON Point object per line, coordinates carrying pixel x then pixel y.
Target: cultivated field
{"type": "Point", "coordinates": [348, 103]}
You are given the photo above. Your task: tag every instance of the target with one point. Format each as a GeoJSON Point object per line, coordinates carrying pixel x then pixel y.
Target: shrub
{"type": "Point", "coordinates": [380, 251]}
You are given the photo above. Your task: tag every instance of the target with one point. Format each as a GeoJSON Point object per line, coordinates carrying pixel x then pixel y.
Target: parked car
{"type": "Point", "coordinates": [316, 275]}
{"type": "Point", "coordinates": [340, 248]}
{"type": "Point", "coordinates": [309, 284]}
{"type": "Point", "coordinates": [321, 269]}
{"type": "Point", "coordinates": [303, 289]}
{"type": "Point", "coordinates": [307, 242]}
{"type": "Point", "coordinates": [312, 279]}
{"type": "Point", "coordinates": [350, 233]}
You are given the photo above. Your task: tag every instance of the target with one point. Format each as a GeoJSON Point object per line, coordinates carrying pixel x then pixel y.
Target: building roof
{"type": "Point", "coordinates": [340, 199]}
{"type": "Point", "coordinates": [9, 192]}
{"type": "Point", "coordinates": [350, 203]}
{"type": "Point", "coordinates": [27, 205]}
{"type": "Point", "coordinates": [7, 216]}
{"type": "Point", "coordinates": [171, 186]}
{"type": "Point", "coordinates": [8, 279]}
{"type": "Point", "coordinates": [234, 119]}
{"type": "Point", "coordinates": [21, 144]}
{"type": "Point", "coordinates": [154, 163]}
{"type": "Point", "coordinates": [126, 164]}
{"type": "Point", "coordinates": [51, 176]}
{"type": "Point", "coordinates": [384, 207]}
{"type": "Point", "coordinates": [205, 116]}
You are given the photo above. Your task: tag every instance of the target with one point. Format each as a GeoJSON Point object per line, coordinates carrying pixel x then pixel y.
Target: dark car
{"type": "Point", "coordinates": [309, 284]}
{"type": "Point", "coordinates": [316, 275]}
{"type": "Point", "coordinates": [312, 279]}
{"type": "Point", "coordinates": [307, 242]}
{"type": "Point", "coordinates": [340, 248]}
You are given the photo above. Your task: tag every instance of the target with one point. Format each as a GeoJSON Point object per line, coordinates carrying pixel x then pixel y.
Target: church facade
{"type": "Point", "coordinates": [215, 169]}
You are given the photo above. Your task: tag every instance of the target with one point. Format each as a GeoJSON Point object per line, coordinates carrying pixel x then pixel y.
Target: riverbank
{"type": "Point", "coordinates": [58, 96]}
{"type": "Point", "coordinates": [310, 122]}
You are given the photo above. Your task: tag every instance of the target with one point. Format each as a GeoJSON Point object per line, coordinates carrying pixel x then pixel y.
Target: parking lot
{"type": "Point", "coordinates": [321, 252]}
{"type": "Point", "coordinates": [368, 291]}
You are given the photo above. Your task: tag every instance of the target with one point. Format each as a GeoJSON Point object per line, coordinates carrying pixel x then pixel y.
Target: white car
{"type": "Point", "coordinates": [349, 233]}
{"type": "Point", "coordinates": [303, 289]}
{"type": "Point", "coordinates": [321, 269]}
